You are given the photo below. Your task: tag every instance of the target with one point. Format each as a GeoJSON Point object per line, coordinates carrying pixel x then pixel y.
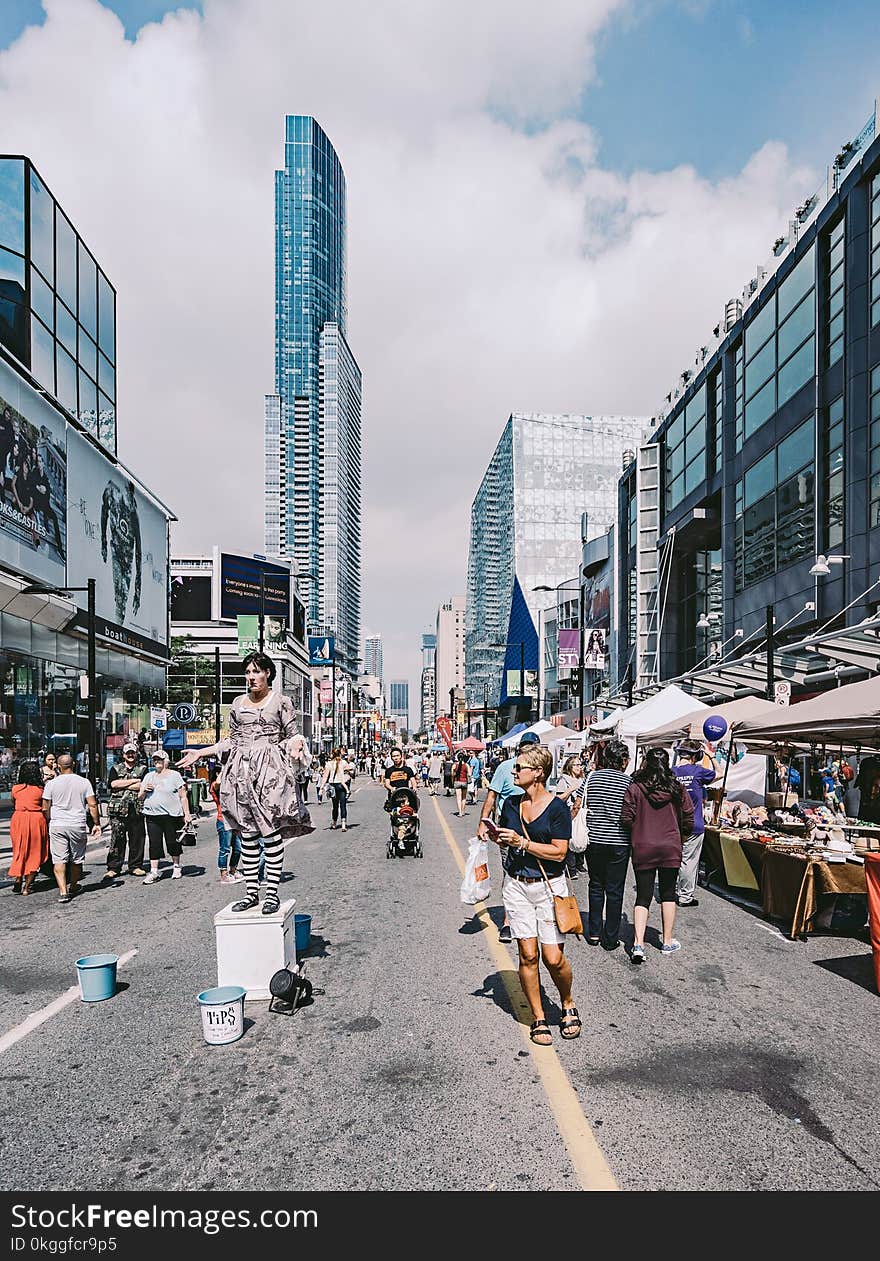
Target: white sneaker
{"type": "Point", "coordinates": [153, 877]}
{"type": "Point", "coordinates": [235, 877]}
{"type": "Point", "coordinates": [176, 872]}
{"type": "Point", "coordinates": [344, 828]}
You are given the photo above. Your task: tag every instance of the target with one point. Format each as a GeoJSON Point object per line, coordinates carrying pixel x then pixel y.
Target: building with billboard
{"type": "Point", "coordinates": [313, 419]}
{"type": "Point", "coordinates": [215, 604]}
{"type": "Point", "coordinates": [69, 510]}
{"type": "Point", "coordinates": [764, 461]}
{"type": "Point", "coordinates": [526, 536]}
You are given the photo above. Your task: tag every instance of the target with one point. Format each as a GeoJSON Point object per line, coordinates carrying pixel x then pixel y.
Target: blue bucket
{"type": "Point", "coordinates": [222, 1011]}
{"type": "Point", "coordinates": [302, 932]}
{"type": "Point", "coordinates": [97, 977]}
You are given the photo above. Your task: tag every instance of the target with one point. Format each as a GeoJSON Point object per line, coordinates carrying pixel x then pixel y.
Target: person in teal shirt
{"type": "Point", "coordinates": [501, 789]}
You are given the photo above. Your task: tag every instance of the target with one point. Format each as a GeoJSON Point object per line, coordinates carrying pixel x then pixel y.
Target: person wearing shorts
{"type": "Point", "coordinates": [66, 799]}
{"type": "Point", "coordinates": [537, 826]}
{"type": "Point", "coordinates": [166, 808]}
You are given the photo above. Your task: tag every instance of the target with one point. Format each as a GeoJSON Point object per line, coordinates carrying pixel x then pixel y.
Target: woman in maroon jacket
{"type": "Point", "coordinates": [659, 814]}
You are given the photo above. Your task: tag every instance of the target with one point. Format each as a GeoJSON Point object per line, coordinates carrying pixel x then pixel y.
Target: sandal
{"type": "Point", "coordinates": [570, 1025]}
{"type": "Point", "coordinates": [246, 903]}
{"type": "Point", "coordinates": [537, 1030]}
{"type": "Point", "coordinates": [271, 905]}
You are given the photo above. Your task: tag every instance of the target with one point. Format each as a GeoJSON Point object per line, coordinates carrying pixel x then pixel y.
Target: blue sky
{"type": "Point", "coordinates": [15, 15]}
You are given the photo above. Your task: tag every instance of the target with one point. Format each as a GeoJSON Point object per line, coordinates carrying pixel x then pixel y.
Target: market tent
{"type": "Point", "coordinates": [845, 715]}
{"type": "Point", "coordinates": [607, 724]}
{"type": "Point", "coordinates": [690, 725]}
{"type": "Point", "coordinates": [663, 707]}
{"type": "Point", "coordinates": [561, 733]}
{"type": "Point", "coordinates": [471, 745]}
{"type": "Point", "coordinates": [512, 733]}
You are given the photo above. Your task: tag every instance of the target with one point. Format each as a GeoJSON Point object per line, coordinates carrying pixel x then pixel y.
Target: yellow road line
{"type": "Point", "coordinates": [590, 1165]}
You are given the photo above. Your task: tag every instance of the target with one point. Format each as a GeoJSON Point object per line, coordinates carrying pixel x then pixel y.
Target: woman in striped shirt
{"type": "Point", "coordinates": [609, 847]}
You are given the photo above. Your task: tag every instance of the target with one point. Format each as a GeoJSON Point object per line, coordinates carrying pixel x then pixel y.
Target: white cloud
{"type": "Point", "coordinates": [494, 266]}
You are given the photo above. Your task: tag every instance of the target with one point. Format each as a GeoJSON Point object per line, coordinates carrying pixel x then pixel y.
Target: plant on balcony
{"type": "Point", "coordinates": [846, 152]}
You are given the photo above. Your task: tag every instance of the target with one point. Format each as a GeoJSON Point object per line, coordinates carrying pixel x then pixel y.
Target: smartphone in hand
{"type": "Point", "coordinates": [491, 827]}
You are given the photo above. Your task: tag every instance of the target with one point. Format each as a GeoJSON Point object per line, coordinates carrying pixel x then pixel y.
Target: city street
{"type": "Point", "coordinates": [747, 1061]}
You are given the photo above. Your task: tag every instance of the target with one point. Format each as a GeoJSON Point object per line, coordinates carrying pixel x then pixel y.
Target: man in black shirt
{"type": "Point", "coordinates": [398, 775]}
{"type": "Point", "coordinates": [126, 821]}
{"type": "Point", "coordinates": [41, 494]}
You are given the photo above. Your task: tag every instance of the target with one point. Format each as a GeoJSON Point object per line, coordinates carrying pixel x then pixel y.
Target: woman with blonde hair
{"type": "Point", "coordinates": [534, 834]}
{"type": "Point", "coordinates": [336, 782]}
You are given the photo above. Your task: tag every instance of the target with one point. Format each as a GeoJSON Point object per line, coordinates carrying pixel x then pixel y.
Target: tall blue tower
{"type": "Point", "coordinates": [313, 422]}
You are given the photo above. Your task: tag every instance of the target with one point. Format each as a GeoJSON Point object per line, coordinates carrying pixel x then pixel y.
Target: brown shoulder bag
{"type": "Point", "coordinates": [566, 911]}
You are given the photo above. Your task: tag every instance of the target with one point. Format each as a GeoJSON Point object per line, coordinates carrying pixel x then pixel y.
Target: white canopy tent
{"type": "Point", "coordinates": [691, 725]}
{"type": "Point", "coordinates": [848, 715]}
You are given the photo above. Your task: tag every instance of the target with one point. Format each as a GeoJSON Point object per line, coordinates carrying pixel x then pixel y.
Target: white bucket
{"type": "Point", "coordinates": [222, 1014]}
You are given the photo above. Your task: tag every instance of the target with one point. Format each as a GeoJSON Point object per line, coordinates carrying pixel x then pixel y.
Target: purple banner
{"type": "Point", "coordinates": [568, 650]}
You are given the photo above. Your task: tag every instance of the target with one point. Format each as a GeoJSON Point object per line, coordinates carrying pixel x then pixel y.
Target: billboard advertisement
{"type": "Point", "coordinates": [595, 648]}
{"type": "Point", "coordinates": [240, 587]}
{"type": "Point", "coordinates": [118, 536]}
{"type": "Point", "coordinates": [33, 483]}
{"type": "Point", "coordinates": [321, 650]}
{"type": "Point", "coordinates": [274, 634]}
{"type": "Point", "coordinates": [568, 649]}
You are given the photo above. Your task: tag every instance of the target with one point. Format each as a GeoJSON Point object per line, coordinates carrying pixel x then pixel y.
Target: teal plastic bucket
{"type": "Point", "coordinates": [302, 932]}
{"type": "Point", "coordinates": [97, 977]}
{"type": "Point", "coordinates": [222, 1011]}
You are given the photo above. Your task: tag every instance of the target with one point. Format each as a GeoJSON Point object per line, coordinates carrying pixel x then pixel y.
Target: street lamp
{"type": "Point", "coordinates": [821, 567]}
{"type": "Point", "coordinates": [40, 589]}
{"type": "Point", "coordinates": [581, 603]}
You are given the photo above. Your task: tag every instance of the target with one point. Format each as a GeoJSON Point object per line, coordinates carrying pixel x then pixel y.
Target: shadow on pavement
{"type": "Point", "coordinates": [856, 968]}
{"type": "Point", "coordinates": [494, 987]}
{"type": "Point", "coordinates": [317, 948]}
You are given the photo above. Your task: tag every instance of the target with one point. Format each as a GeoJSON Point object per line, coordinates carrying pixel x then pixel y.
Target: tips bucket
{"type": "Point", "coordinates": [302, 927]}
{"type": "Point", "coordinates": [222, 1011]}
{"type": "Point", "coordinates": [97, 977]}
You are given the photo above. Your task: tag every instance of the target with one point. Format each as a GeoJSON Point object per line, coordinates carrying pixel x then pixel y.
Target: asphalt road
{"type": "Point", "coordinates": [746, 1061]}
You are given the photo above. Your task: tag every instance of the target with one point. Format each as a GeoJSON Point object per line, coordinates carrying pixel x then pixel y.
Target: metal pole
{"type": "Point", "coordinates": [522, 673]}
{"type": "Point", "coordinates": [771, 681]}
{"type": "Point", "coordinates": [94, 756]}
{"type": "Point", "coordinates": [348, 717]}
{"type": "Point", "coordinates": [217, 695]}
{"type": "Point", "coordinates": [629, 684]}
{"type": "Point", "coordinates": [262, 611]}
{"type": "Point", "coordinates": [581, 657]}
{"type": "Point", "coordinates": [485, 711]}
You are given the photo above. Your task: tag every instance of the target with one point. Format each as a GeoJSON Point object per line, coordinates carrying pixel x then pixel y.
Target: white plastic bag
{"type": "Point", "coordinates": [580, 836]}
{"type": "Point", "coordinates": [476, 886]}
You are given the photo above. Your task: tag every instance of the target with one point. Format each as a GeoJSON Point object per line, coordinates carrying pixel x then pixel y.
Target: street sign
{"type": "Point", "coordinates": [184, 713]}
{"type": "Point", "coordinates": [782, 692]}
{"type": "Point", "coordinates": [158, 718]}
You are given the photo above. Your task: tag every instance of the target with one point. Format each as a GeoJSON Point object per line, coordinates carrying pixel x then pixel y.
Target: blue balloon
{"type": "Point", "coordinates": [714, 728]}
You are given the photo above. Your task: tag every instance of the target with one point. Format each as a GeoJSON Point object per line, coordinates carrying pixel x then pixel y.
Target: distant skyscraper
{"type": "Point", "coordinates": [313, 421]}
{"type": "Point", "coordinates": [546, 472]}
{"type": "Point", "coordinates": [373, 656]}
{"type": "Point", "coordinates": [398, 702]}
{"type": "Point", "coordinates": [450, 649]}
{"type": "Point", "coordinates": [428, 688]}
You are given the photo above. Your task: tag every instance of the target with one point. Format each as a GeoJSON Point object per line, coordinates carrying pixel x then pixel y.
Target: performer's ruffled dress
{"type": "Point", "coordinates": [259, 791]}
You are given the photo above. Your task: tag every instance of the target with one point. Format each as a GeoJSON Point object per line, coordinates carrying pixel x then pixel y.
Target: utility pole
{"type": "Point", "coordinates": [217, 695]}
{"type": "Point", "coordinates": [94, 756]}
{"type": "Point", "coordinates": [581, 602]}
{"type": "Point", "coordinates": [262, 615]}
{"type": "Point", "coordinates": [771, 647]}
{"type": "Point", "coordinates": [485, 712]}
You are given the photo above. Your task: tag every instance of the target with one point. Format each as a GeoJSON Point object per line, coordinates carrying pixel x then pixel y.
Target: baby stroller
{"type": "Point", "coordinates": [403, 806]}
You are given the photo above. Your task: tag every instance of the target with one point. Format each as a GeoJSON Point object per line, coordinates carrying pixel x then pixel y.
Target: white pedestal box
{"type": "Point", "coordinates": [252, 946]}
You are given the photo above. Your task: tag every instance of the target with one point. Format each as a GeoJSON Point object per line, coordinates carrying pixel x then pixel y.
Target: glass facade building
{"type": "Point", "coordinates": [312, 505]}
{"type": "Point", "coordinates": [769, 454]}
{"type": "Point", "coordinates": [398, 703]}
{"type": "Point", "coordinates": [373, 656]}
{"type": "Point", "coordinates": [526, 532]}
{"type": "Point", "coordinates": [57, 307]}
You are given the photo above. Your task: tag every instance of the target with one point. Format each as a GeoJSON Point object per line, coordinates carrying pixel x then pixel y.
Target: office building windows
{"type": "Point", "coordinates": [834, 265]}
{"type": "Point", "coordinates": [874, 516]}
{"type": "Point", "coordinates": [685, 447]}
{"type": "Point", "coordinates": [774, 509]}
{"type": "Point", "coordinates": [875, 250]}
{"type": "Point", "coordinates": [714, 421]}
{"type": "Point", "coordinates": [779, 348]}
{"type": "Point", "coordinates": [739, 396]}
{"type": "Point", "coordinates": [834, 481]}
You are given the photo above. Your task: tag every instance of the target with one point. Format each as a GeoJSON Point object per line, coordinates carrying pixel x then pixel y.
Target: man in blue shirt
{"type": "Point", "coordinates": [695, 779]}
{"type": "Point", "coordinates": [476, 769]}
{"type": "Point", "coordinates": [501, 788]}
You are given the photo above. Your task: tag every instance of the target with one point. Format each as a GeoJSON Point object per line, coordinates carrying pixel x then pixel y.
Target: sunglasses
{"type": "Point", "coordinates": [518, 766]}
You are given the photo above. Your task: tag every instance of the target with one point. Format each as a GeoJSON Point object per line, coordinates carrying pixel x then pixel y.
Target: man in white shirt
{"type": "Point", "coordinates": [65, 801]}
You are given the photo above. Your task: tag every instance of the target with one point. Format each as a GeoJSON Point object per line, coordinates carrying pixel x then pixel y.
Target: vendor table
{"type": "Point", "coordinates": [790, 884]}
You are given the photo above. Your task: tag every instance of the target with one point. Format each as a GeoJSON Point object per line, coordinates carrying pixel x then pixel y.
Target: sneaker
{"type": "Point", "coordinates": [669, 948]}
{"type": "Point", "coordinates": [176, 872]}
{"type": "Point", "coordinates": [687, 902]}
{"type": "Point", "coordinates": [225, 878]}
{"type": "Point", "coordinates": [638, 954]}
{"type": "Point", "coordinates": [153, 877]}
{"type": "Point", "coordinates": [504, 934]}
{"type": "Point", "coordinates": [344, 828]}
{"type": "Point", "coordinates": [234, 877]}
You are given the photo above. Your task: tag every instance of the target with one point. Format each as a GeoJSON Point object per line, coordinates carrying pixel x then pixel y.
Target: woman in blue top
{"type": "Point", "coordinates": [537, 826]}
{"type": "Point", "coordinates": [166, 808]}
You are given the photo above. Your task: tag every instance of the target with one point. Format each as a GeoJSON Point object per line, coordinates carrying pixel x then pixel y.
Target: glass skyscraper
{"type": "Point", "coordinates": [313, 421]}
{"type": "Point", "coordinates": [546, 472]}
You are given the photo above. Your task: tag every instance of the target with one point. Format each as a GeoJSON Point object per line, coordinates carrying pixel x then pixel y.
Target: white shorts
{"type": "Point", "coordinates": [67, 845]}
{"type": "Point", "coordinates": [529, 908]}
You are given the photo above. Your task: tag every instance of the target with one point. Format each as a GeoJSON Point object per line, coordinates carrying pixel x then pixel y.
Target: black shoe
{"type": "Point", "coordinates": [609, 945]}
{"type": "Point", "coordinates": [246, 904]}
{"type": "Point", "coordinates": [271, 905]}
{"type": "Point", "coordinates": [592, 941]}
{"type": "Point", "coordinates": [504, 934]}
{"type": "Point", "coordinates": [692, 902]}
